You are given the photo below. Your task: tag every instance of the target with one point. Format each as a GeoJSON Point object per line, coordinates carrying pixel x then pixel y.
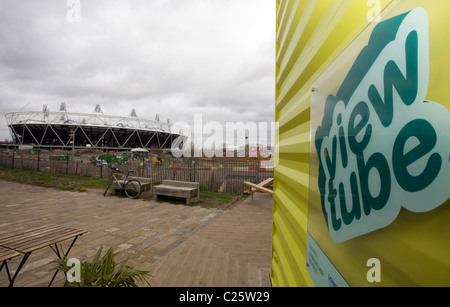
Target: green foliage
{"type": "Point", "coordinates": [221, 197]}
{"type": "Point", "coordinates": [104, 271]}
{"type": "Point", "coordinates": [52, 180]}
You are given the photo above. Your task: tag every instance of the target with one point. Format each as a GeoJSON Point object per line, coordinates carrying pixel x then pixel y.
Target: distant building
{"type": "Point", "coordinates": [64, 129]}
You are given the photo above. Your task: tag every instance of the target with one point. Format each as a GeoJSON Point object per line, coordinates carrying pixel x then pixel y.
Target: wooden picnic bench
{"type": "Point", "coordinates": [5, 256]}
{"type": "Point", "coordinates": [190, 191]}
{"type": "Point", "coordinates": [28, 241]}
{"type": "Point", "coordinates": [262, 187]}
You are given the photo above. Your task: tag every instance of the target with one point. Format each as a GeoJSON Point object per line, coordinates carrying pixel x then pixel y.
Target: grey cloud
{"type": "Point", "coordinates": [172, 57]}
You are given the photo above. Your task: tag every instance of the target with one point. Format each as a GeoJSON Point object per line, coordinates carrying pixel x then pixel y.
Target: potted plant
{"type": "Point", "coordinates": [103, 271]}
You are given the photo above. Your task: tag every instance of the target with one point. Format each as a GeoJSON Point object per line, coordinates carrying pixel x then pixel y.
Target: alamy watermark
{"type": "Point", "coordinates": [233, 139]}
{"type": "Point", "coordinates": [74, 13]}
{"type": "Point", "coordinates": [374, 273]}
{"type": "Point", "coordinates": [74, 273]}
{"type": "Point", "coordinates": [374, 13]}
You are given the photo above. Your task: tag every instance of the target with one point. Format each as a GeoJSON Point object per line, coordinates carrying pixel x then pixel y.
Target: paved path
{"type": "Point", "coordinates": [179, 245]}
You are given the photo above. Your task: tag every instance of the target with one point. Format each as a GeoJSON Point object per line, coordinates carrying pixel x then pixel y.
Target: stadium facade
{"type": "Point", "coordinates": [62, 129]}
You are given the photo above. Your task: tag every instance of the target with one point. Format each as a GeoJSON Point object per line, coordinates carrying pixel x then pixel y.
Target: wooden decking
{"type": "Point", "coordinates": [180, 245]}
{"type": "Point", "coordinates": [233, 250]}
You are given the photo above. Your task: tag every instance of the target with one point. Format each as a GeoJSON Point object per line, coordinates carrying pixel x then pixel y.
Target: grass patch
{"type": "Point", "coordinates": [52, 180]}
{"type": "Point", "coordinates": [219, 200]}
{"type": "Point", "coordinates": [64, 182]}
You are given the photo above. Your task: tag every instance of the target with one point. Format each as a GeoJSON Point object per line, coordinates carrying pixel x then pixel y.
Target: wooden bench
{"type": "Point", "coordinates": [179, 189]}
{"type": "Point", "coordinates": [146, 186]}
{"type": "Point", "coordinates": [261, 187]}
{"type": "Point", "coordinates": [28, 241]}
{"type": "Point", "coordinates": [6, 255]}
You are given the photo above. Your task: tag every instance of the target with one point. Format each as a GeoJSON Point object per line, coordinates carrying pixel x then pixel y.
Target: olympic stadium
{"type": "Point", "coordinates": [62, 129]}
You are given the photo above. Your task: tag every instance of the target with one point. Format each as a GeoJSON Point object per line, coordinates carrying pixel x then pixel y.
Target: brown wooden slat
{"type": "Point", "coordinates": [266, 182]}
{"type": "Point", "coordinates": [6, 254]}
{"type": "Point", "coordinates": [38, 240]}
{"type": "Point", "coordinates": [47, 241]}
{"type": "Point", "coordinates": [34, 239]}
{"type": "Point", "coordinates": [258, 188]}
{"type": "Point", "coordinates": [13, 236]}
{"type": "Point", "coordinates": [28, 235]}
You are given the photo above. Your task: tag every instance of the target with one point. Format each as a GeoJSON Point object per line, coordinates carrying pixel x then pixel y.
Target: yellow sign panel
{"type": "Point", "coordinates": [380, 155]}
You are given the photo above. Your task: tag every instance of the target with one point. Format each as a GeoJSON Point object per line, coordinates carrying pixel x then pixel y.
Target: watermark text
{"type": "Point", "coordinates": [373, 15]}
{"type": "Point", "coordinates": [74, 13]}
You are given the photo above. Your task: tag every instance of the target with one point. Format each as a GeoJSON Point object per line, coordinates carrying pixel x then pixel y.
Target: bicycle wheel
{"type": "Point", "coordinates": [133, 188]}
{"type": "Point", "coordinates": [108, 185]}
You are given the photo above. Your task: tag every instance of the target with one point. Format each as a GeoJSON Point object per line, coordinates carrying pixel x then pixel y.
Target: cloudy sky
{"type": "Point", "coordinates": [175, 58]}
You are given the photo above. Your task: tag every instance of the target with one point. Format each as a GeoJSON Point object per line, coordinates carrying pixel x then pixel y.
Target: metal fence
{"type": "Point", "coordinates": [218, 174]}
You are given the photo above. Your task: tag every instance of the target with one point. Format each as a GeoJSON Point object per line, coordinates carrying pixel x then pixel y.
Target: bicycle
{"type": "Point", "coordinates": [131, 187]}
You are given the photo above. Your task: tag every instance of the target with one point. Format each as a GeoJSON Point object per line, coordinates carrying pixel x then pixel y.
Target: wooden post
{"type": "Point", "coordinates": [39, 152]}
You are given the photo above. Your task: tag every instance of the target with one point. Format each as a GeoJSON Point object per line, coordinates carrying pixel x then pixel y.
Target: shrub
{"type": "Point", "coordinates": [104, 272]}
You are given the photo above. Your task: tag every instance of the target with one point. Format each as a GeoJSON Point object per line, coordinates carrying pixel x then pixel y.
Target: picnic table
{"type": "Point", "coordinates": [262, 187]}
{"type": "Point", "coordinates": [25, 242]}
{"type": "Point", "coordinates": [5, 256]}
